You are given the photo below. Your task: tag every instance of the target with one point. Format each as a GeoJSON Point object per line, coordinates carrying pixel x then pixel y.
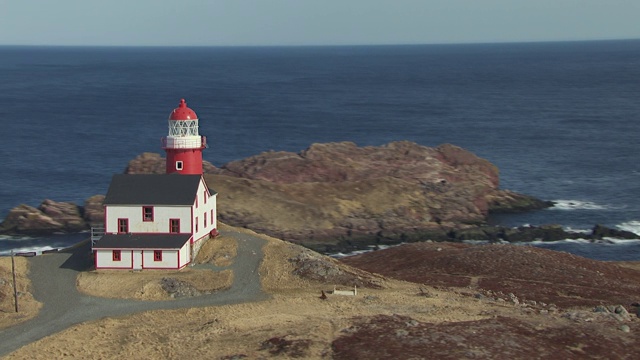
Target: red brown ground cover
{"type": "Point", "coordinates": [400, 337]}
{"type": "Point", "coordinates": [528, 272]}
{"type": "Point", "coordinates": [491, 273]}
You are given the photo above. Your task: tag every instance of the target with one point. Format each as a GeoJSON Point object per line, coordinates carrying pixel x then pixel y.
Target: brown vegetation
{"type": "Point", "coordinates": [153, 284]}
{"type": "Point", "coordinates": [388, 319]}
{"type": "Point", "coordinates": [219, 251]}
{"type": "Point", "coordinates": [28, 307]}
{"type": "Point", "coordinates": [528, 272]}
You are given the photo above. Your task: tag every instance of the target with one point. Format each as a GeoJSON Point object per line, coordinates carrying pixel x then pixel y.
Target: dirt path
{"type": "Point", "coordinates": [54, 281]}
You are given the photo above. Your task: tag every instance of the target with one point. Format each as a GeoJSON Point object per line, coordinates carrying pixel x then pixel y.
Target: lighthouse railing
{"type": "Point", "coordinates": [192, 142]}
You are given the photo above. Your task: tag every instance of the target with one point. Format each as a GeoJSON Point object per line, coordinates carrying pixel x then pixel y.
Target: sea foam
{"type": "Point", "coordinates": [633, 226]}
{"type": "Point", "coordinates": [576, 205]}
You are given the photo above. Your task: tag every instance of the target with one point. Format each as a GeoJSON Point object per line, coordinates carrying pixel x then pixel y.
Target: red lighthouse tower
{"type": "Point", "coordinates": [183, 144]}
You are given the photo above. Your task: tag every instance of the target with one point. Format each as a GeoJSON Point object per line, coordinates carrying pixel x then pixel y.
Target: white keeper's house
{"type": "Point", "coordinates": [160, 221]}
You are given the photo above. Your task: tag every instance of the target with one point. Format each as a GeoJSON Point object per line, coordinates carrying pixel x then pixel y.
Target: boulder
{"type": "Point", "coordinates": [25, 219]}
{"type": "Point", "coordinates": [146, 163]}
{"type": "Point", "coordinates": [50, 217]}
{"type": "Point", "coordinates": [66, 213]}
{"type": "Point", "coordinates": [506, 201]}
{"type": "Point", "coordinates": [94, 210]}
{"type": "Point", "coordinates": [599, 232]}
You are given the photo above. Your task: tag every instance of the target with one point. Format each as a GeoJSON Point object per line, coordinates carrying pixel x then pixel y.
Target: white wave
{"type": "Point", "coordinates": [633, 226]}
{"type": "Point", "coordinates": [577, 231]}
{"type": "Point", "coordinates": [614, 241]}
{"type": "Point", "coordinates": [475, 242]}
{"type": "Point", "coordinates": [37, 249]}
{"type": "Point", "coordinates": [576, 205]}
{"type": "Point", "coordinates": [603, 241]}
{"type": "Point", "coordinates": [341, 255]}
{"type": "Point", "coordinates": [15, 237]}
{"type": "Point", "coordinates": [565, 241]}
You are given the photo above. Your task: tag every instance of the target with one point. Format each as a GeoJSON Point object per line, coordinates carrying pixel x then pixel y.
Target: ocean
{"type": "Point", "coordinates": [561, 120]}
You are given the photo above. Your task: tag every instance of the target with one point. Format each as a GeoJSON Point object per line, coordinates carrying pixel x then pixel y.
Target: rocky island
{"type": "Point", "coordinates": [339, 196]}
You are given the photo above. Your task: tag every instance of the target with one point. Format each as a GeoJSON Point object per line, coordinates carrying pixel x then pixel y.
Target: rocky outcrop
{"type": "Point", "coordinates": [146, 163]}
{"type": "Point", "coordinates": [68, 214]}
{"type": "Point", "coordinates": [50, 217]}
{"type": "Point", "coordinates": [94, 211]}
{"type": "Point", "coordinates": [25, 219]}
{"type": "Point", "coordinates": [341, 191]}
{"type": "Point", "coordinates": [359, 190]}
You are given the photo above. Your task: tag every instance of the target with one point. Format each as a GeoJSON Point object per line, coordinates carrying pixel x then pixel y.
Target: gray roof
{"type": "Point", "coordinates": [153, 189]}
{"type": "Point", "coordinates": [147, 241]}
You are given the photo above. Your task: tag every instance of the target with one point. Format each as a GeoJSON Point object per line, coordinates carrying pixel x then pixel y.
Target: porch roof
{"type": "Point", "coordinates": [146, 241]}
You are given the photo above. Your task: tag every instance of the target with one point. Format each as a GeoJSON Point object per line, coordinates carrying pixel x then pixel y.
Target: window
{"type": "Point", "coordinates": [147, 213]}
{"type": "Point", "coordinates": [174, 226]}
{"type": "Point", "coordinates": [205, 220]}
{"type": "Point", "coordinates": [157, 255]}
{"type": "Point", "coordinates": [196, 224]}
{"type": "Point", "coordinates": [179, 165]}
{"type": "Point", "coordinates": [204, 195]}
{"type": "Point", "coordinates": [196, 201]}
{"type": "Point", "coordinates": [212, 215]}
{"type": "Point", "coordinates": [116, 255]}
{"type": "Point", "coordinates": [123, 226]}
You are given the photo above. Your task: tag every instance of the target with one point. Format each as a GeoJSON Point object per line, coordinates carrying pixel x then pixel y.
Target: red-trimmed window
{"type": "Point", "coordinates": [123, 226]}
{"type": "Point", "coordinates": [205, 220]}
{"type": "Point", "coordinates": [157, 255]}
{"type": "Point", "coordinates": [116, 255]}
{"type": "Point", "coordinates": [147, 213]}
{"type": "Point", "coordinates": [196, 201]}
{"type": "Point", "coordinates": [212, 215]}
{"type": "Point", "coordinates": [204, 195]}
{"type": "Point", "coordinates": [196, 224]}
{"type": "Point", "coordinates": [174, 226]}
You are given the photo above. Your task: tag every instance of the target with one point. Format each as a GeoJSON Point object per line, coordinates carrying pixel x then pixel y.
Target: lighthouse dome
{"type": "Point", "coordinates": [182, 112]}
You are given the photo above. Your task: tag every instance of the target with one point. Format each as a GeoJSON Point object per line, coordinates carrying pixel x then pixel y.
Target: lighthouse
{"type": "Point", "coordinates": [184, 144]}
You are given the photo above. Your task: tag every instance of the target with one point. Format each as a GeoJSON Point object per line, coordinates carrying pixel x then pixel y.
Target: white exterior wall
{"type": "Point", "coordinates": [202, 209]}
{"type": "Point", "coordinates": [160, 223]}
{"type": "Point", "coordinates": [104, 260]}
{"type": "Point", "coordinates": [185, 254]}
{"type": "Point", "coordinates": [169, 259]}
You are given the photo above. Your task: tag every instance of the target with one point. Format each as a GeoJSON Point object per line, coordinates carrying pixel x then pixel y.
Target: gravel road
{"type": "Point", "coordinates": [53, 277]}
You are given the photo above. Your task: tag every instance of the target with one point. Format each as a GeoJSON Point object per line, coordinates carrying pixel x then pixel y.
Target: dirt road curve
{"type": "Point", "coordinates": [54, 281]}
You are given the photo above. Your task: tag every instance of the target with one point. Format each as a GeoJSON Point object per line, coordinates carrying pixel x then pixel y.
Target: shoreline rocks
{"type": "Point", "coordinates": [489, 234]}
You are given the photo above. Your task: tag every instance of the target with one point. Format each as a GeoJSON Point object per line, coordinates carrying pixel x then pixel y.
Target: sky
{"type": "Point", "coordinates": [312, 22]}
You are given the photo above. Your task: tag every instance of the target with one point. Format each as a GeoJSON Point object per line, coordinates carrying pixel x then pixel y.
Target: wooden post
{"type": "Point", "coordinates": [15, 288]}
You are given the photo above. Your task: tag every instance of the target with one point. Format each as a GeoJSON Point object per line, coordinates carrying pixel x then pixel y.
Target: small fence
{"type": "Point", "coordinates": [96, 233]}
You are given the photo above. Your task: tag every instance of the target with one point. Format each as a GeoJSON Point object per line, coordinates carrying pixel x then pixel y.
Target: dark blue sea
{"type": "Point", "coordinates": [561, 120]}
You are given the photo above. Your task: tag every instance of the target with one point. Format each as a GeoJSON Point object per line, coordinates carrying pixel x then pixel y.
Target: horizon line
{"type": "Point", "coordinates": [326, 45]}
